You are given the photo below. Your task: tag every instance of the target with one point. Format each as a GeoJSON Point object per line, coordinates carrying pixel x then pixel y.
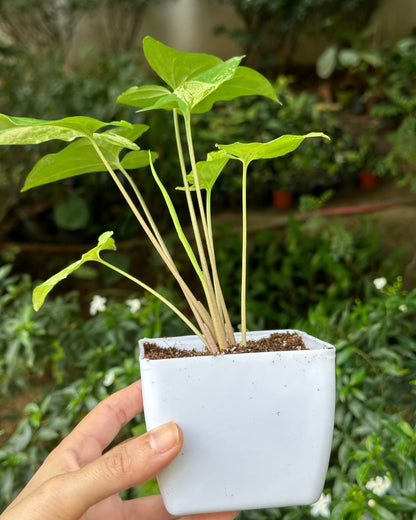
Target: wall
{"type": "Point", "coordinates": [188, 25]}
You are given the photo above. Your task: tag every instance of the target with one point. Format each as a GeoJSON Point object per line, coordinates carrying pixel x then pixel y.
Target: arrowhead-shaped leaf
{"type": "Point", "coordinates": [105, 242]}
{"type": "Point", "coordinates": [112, 138]}
{"type": "Point", "coordinates": [197, 80]}
{"type": "Point", "coordinates": [208, 171]}
{"type": "Point", "coordinates": [144, 96]}
{"type": "Point", "coordinates": [173, 66]}
{"type": "Point", "coordinates": [80, 157]}
{"type": "Point", "coordinates": [245, 82]}
{"type": "Point", "coordinates": [247, 152]}
{"type": "Point", "coordinates": [197, 88]}
{"type": "Point", "coordinates": [24, 130]}
{"type": "Point", "coordinates": [137, 159]}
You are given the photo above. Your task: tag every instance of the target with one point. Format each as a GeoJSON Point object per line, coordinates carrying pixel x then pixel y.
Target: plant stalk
{"type": "Point", "coordinates": [244, 257]}
{"type": "Point", "coordinates": [207, 283]}
{"type": "Point", "coordinates": [220, 312]}
{"type": "Point", "coordinates": [212, 347]}
{"type": "Point", "coordinates": [158, 295]}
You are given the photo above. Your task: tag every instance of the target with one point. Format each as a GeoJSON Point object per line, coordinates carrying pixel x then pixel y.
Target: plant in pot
{"type": "Point", "coordinates": [367, 163]}
{"type": "Point", "coordinates": [283, 183]}
{"type": "Point", "coordinates": [257, 425]}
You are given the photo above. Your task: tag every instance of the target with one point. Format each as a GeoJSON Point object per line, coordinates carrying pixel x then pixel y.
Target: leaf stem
{"type": "Point", "coordinates": [217, 313]}
{"type": "Point", "coordinates": [244, 256]}
{"type": "Point", "coordinates": [158, 295]}
{"type": "Point", "coordinates": [206, 281]}
{"type": "Point", "coordinates": [177, 223]}
{"type": "Point", "coordinates": [164, 254]}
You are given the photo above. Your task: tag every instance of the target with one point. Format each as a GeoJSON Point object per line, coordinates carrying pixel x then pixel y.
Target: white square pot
{"type": "Point", "coordinates": [257, 427]}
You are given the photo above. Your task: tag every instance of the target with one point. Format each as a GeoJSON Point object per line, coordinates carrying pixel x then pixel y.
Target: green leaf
{"type": "Point", "coordinates": [72, 213]}
{"type": "Point", "coordinates": [384, 513]}
{"type": "Point", "coordinates": [105, 242]}
{"type": "Point", "coordinates": [198, 80]}
{"type": "Point", "coordinates": [327, 62]}
{"type": "Point", "coordinates": [137, 159]}
{"type": "Point", "coordinates": [80, 157]}
{"type": "Point", "coordinates": [23, 130]}
{"type": "Point", "coordinates": [47, 434]}
{"type": "Point", "coordinates": [349, 58]}
{"type": "Point", "coordinates": [208, 171]}
{"type": "Point", "coordinates": [245, 82]}
{"type": "Point", "coordinates": [196, 89]}
{"type": "Point", "coordinates": [142, 97]}
{"type": "Point", "coordinates": [76, 159]}
{"type": "Point", "coordinates": [174, 66]}
{"type": "Point", "coordinates": [247, 152]}
{"type": "Point", "coordinates": [407, 430]}
{"type": "Point", "coordinates": [111, 138]}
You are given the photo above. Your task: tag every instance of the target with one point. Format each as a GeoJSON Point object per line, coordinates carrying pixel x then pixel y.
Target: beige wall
{"type": "Point", "coordinates": [188, 25]}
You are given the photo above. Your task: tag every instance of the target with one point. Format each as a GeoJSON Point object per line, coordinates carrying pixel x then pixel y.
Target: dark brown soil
{"type": "Point", "coordinates": [279, 341]}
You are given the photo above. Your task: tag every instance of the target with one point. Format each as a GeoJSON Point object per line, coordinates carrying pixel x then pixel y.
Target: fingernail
{"type": "Point", "coordinates": [164, 438]}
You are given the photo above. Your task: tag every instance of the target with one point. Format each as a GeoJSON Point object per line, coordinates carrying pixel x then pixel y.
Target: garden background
{"type": "Point", "coordinates": [338, 262]}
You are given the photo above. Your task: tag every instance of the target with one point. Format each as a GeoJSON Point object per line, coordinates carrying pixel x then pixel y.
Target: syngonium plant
{"type": "Point", "coordinates": [194, 83]}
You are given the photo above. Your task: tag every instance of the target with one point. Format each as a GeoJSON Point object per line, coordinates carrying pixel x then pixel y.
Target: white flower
{"type": "Point", "coordinates": [134, 304]}
{"type": "Point", "coordinates": [109, 378]}
{"type": "Point", "coordinates": [97, 304]}
{"type": "Point", "coordinates": [379, 485]}
{"type": "Point", "coordinates": [403, 307]}
{"type": "Point", "coordinates": [380, 283]}
{"type": "Point", "coordinates": [321, 506]}
{"type": "Point", "coordinates": [371, 502]}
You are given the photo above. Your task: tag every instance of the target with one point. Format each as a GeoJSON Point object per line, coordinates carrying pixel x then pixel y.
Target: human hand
{"type": "Point", "coordinates": [78, 482]}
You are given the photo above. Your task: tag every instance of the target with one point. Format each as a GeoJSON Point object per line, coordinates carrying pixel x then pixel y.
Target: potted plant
{"type": "Point", "coordinates": [283, 182]}
{"type": "Point", "coordinates": [367, 160]}
{"type": "Point", "coordinates": [292, 437]}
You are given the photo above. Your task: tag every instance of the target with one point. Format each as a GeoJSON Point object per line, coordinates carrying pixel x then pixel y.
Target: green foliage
{"type": "Point", "coordinates": [68, 93]}
{"type": "Point", "coordinates": [396, 107]}
{"type": "Point", "coordinates": [312, 264]}
{"type": "Point", "coordinates": [384, 83]}
{"type": "Point", "coordinates": [319, 164]}
{"type": "Point", "coordinates": [273, 28]}
{"type": "Point", "coordinates": [194, 83]}
{"type": "Point", "coordinates": [374, 431]}
{"type": "Point", "coordinates": [23, 337]}
{"type": "Point", "coordinates": [81, 360]}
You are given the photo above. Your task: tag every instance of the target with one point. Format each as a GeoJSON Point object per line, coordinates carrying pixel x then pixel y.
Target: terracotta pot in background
{"type": "Point", "coordinates": [368, 180]}
{"type": "Point", "coordinates": [282, 199]}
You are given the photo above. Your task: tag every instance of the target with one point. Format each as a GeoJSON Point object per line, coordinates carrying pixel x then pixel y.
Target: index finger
{"type": "Point", "coordinates": [92, 435]}
{"type": "Point", "coordinates": [99, 428]}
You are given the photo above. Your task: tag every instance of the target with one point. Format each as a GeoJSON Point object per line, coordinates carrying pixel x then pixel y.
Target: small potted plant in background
{"type": "Point", "coordinates": [283, 182]}
{"type": "Point", "coordinates": [257, 425]}
{"type": "Point", "coordinates": [367, 175]}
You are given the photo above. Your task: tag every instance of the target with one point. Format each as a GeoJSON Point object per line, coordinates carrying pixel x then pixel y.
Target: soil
{"type": "Point", "coordinates": [279, 341]}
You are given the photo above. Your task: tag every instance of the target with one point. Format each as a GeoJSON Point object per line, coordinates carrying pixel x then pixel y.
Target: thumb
{"type": "Point", "coordinates": [68, 496]}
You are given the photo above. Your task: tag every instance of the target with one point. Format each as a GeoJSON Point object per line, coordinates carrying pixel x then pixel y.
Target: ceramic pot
{"type": "Point", "coordinates": [257, 427]}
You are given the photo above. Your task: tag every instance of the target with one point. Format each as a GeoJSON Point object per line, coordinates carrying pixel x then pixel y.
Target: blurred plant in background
{"type": "Point", "coordinates": [272, 29]}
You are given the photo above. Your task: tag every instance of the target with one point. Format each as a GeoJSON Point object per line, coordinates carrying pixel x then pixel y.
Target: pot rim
{"type": "Point", "coordinates": [188, 342]}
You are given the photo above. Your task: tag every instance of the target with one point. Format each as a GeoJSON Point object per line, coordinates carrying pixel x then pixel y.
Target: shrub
{"type": "Point", "coordinates": [313, 264]}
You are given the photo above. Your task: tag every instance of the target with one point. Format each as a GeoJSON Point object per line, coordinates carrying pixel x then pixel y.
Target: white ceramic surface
{"type": "Point", "coordinates": [257, 427]}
